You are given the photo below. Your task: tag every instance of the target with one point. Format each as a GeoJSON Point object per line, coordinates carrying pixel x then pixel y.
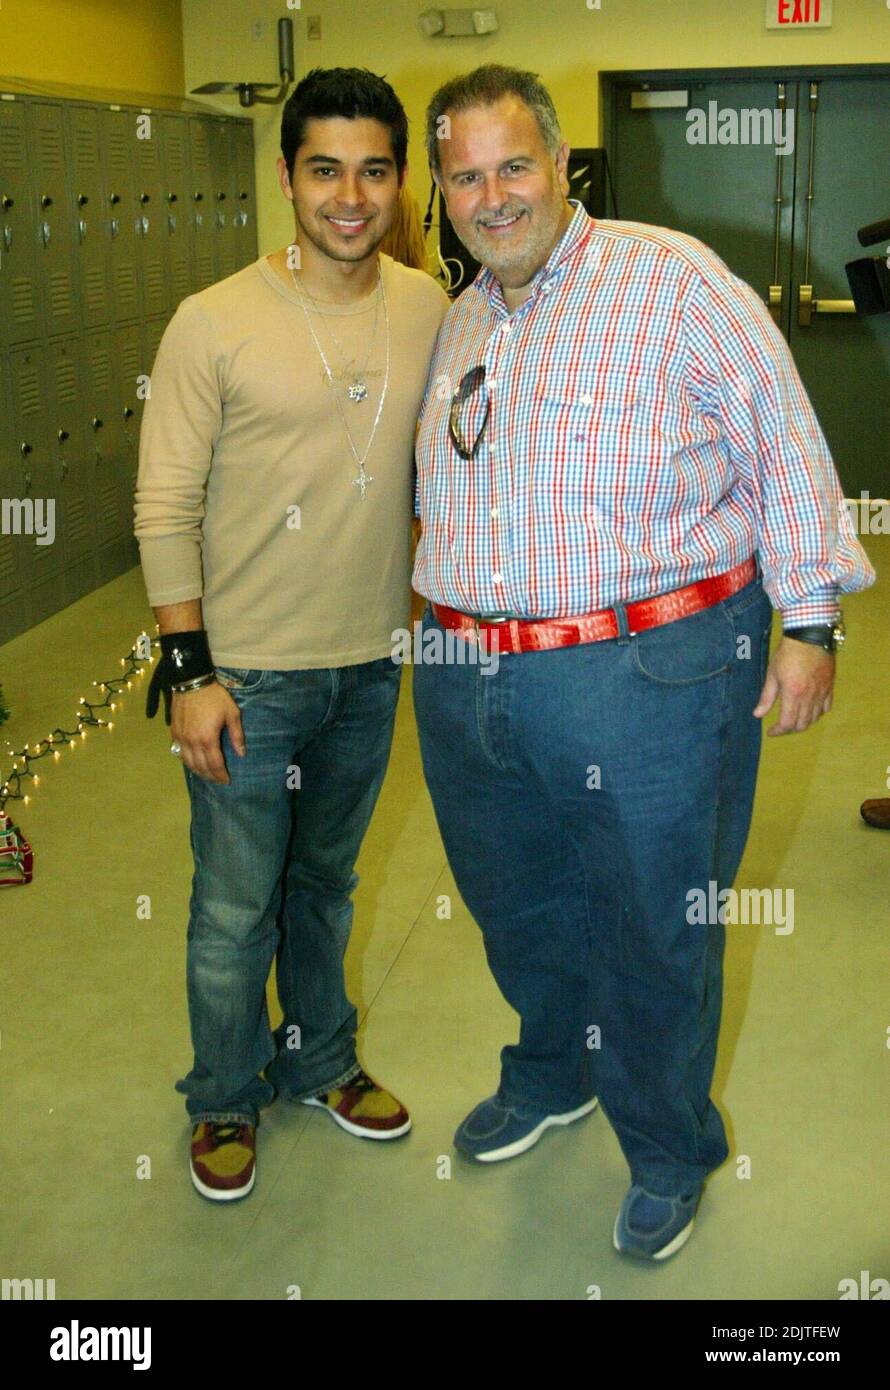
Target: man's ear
{"type": "Point", "coordinates": [562, 167]}
{"type": "Point", "coordinates": [284, 179]}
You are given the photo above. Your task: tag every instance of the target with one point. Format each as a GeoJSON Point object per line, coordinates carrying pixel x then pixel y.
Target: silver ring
{"type": "Point", "coordinates": [175, 749]}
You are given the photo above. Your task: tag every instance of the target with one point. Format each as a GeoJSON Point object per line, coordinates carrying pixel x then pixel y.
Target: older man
{"type": "Point", "coordinates": [619, 476]}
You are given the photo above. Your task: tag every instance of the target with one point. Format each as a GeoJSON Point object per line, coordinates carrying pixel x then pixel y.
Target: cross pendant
{"type": "Point", "coordinates": [362, 482]}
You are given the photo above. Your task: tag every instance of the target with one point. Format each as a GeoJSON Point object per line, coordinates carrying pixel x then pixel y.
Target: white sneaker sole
{"type": "Point", "coordinates": [216, 1195]}
{"type": "Point", "coordinates": [358, 1130]}
{"type": "Point", "coordinates": [519, 1146]}
{"type": "Point", "coordinates": [671, 1248]}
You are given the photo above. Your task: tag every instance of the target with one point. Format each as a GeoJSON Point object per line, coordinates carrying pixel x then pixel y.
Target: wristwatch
{"type": "Point", "coordinates": [830, 636]}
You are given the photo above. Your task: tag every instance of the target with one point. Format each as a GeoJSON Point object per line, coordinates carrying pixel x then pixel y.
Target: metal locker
{"type": "Point", "coordinates": [91, 223]}
{"type": "Point", "coordinates": [132, 368]}
{"type": "Point", "coordinates": [32, 422]}
{"type": "Point", "coordinates": [109, 217]}
{"type": "Point", "coordinates": [174, 143]}
{"type": "Point", "coordinates": [202, 203]}
{"type": "Point", "coordinates": [225, 188]}
{"type": "Point", "coordinates": [47, 159]}
{"type": "Point", "coordinates": [150, 221]}
{"type": "Point", "coordinates": [245, 195]}
{"type": "Point", "coordinates": [103, 423]}
{"type": "Point", "coordinates": [21, 314]}
{"type": "Point", "coordinates": [75, 510]}
{"type": "Point", "coordinates": [118, 155]}
{"type": "Point", "coordinates": [14, 606]}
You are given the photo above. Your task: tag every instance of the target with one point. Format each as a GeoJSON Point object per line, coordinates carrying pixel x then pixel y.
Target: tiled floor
{"type": "Point", "coordinates": [95, 1032]}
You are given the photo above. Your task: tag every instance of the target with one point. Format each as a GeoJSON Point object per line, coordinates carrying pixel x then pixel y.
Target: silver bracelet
{"type": "Point", "coordinates": [195, 684]}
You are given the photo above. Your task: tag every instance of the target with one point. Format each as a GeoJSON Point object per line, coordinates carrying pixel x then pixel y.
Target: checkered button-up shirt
{"type": "Point", "coordinates": [647, 428]}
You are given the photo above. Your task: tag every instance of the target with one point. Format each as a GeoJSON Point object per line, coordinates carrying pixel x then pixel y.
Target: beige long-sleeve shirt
{"type": "Point", "coordinates": [245, 495]}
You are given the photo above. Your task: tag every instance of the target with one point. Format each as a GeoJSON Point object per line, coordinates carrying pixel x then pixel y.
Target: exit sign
{"type": "Point", "coordinates": [798, 14]}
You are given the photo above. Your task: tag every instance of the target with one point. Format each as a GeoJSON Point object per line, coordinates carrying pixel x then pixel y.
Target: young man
{"type": "Point", "coordinates": [273, 511]}
{"type": "Point", "coordinates": [614, 429]}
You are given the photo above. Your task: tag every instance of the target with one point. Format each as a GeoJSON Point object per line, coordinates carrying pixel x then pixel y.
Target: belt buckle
{"type": "Point", "coordinates": [496, 619]}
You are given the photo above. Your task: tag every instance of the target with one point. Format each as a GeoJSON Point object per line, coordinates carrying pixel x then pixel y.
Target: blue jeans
{"type": "Point", "coordinates": [581, 794]}
{"type": "Point", "coordinates": [274, 854]}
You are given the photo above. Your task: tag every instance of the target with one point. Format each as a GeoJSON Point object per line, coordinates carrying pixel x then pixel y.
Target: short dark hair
{"type": "Point", "coordinates": [483, 87]}
{"type": "Point", "coordinates": [350, 92]}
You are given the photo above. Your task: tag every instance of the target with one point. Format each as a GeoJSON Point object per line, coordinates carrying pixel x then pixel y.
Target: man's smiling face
{"type": "Point", "coordinates": [504, 190]}
{"type": "Point", "coordinates": [345, 186]}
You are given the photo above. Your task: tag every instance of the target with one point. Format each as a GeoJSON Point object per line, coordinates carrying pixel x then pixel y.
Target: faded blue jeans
{"type": "Point", "coordinates": [274, 855]}
{"type": "Point", "coordinates": [581, 794]}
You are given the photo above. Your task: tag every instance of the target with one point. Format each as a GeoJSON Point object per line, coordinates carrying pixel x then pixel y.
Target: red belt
{"type": "Point", "coordinates": [541, 634]}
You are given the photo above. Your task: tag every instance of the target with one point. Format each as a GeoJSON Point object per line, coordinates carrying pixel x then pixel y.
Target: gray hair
{"type": "Point", "coordinates": [483, 87]}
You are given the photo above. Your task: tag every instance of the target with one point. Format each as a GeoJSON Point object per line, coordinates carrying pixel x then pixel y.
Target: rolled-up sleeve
{"type": "Point", "coordinates": [180, 425]}
{"type": "Point", "coordinates": [741, 372]}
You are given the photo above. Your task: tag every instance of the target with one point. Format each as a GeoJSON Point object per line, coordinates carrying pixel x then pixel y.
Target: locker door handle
{"type": "Point", "coordinates": [115, 227]}
{"type": "Point", "coordinates": [807, 306]}
{"type": "Point", "coordinates": [774, 304]}
{"type": "Point", "coordinates": [27, 482]}
{"type": "Point", "coordinates": [45, 233]}
{"type": "Point", "coordinates": [7, 237]}
{"type": "Point", "coordinates": [64, 468]}
{"type": "Point", "coordinates": [171, 221]}
{"type": "Point", "coordinates": [82, 229]}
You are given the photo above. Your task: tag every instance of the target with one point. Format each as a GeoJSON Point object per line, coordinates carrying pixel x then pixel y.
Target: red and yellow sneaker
{"type": "Point", "coordinates": [223, 1159]}
{"type": "Point", "coordinates": [362, 1107]}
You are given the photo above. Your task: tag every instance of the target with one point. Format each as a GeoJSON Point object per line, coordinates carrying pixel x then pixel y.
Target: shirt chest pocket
{"type": "Point", "coordinates": [583, 443]}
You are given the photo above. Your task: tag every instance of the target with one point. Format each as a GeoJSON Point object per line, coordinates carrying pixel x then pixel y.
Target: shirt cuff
{"type": "Point", "coordinates": [821, 608]}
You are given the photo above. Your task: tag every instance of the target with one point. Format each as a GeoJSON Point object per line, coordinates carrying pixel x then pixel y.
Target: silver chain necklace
{"type": "Point", "coordinates": [357, 390]}
{"type": "Point", "coordinates": [363, 479]}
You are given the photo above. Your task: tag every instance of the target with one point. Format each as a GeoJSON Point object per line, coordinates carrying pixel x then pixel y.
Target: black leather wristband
{"type": "Point", "coordinates": [184, 656]}
{"type": "Point", "coordinates": [818, 635]}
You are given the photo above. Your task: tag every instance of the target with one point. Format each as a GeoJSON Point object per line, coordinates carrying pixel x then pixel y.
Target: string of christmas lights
{"type": "Point", "coordinates": [16, 787]}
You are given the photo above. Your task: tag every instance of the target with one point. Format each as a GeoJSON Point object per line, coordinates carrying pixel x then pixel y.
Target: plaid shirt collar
{"type": "Point", "coordinates": [575, 236]}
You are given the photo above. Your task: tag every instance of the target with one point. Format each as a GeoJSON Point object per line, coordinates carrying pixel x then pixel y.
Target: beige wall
{"type": "Point", "coordinates": [119, 44]}
{"type": "Point", "coordinates": [562, 39]}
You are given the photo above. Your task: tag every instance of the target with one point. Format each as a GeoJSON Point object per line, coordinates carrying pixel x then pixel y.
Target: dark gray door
{"type": "Point", "coordinates": [750, 204]}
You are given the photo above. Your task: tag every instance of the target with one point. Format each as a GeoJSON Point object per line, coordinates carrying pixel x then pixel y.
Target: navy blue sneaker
{"type": "Point", "coordinates": [494, 1131]}
{"type": "Point", "coordinates": [653, 1227]}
